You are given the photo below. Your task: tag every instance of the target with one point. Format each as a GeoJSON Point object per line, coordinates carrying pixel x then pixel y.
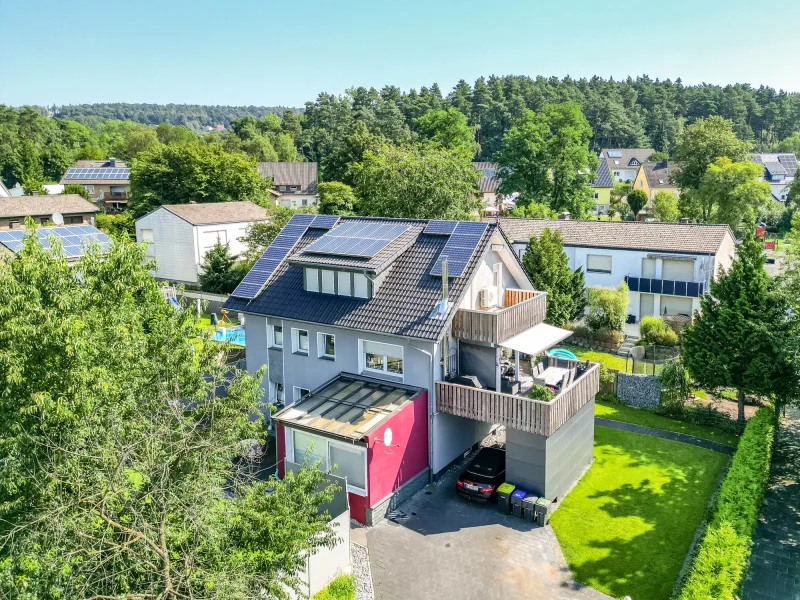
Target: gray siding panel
{"type": "Point", "coordinates": [479, 361]}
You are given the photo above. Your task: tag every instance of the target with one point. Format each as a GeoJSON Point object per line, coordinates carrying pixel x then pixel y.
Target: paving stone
{"type": "Point", "coordinates": [775, 560]}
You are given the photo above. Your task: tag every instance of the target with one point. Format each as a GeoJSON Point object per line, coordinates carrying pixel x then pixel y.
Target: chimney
{"type": "Point", "coordinates": [34, 192]}
{"type": "Point", "coordinates": [112, 162]}
{"type": "Point", "coordinates": [685, 220]}
{"type": "Point", "coordinates": [564, 216]}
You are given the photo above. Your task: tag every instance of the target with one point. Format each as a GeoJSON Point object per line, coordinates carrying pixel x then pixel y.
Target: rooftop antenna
{"type": "Point", "coordinates": [58, 218]}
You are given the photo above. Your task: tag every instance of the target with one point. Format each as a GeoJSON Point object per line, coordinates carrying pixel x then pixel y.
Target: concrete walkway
{"type": "Point", "coordinates": [667, 435]}
{"type": "Point", "coordinates": [775, 561]}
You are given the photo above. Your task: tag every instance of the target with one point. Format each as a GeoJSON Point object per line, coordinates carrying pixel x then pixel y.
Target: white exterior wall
{"type": "Point", "coordinates": [173, 245]}
{"type": "Point", "coordinates": [233, 234]}
{"type": "Point", "coordinates": [625, 173]}
{"type": "Point", "coordinates": [327, 563]}
{"type": "Point", "coordinates": [296, 200]}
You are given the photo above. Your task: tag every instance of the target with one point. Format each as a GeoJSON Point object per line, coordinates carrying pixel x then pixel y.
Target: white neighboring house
{"type": "Point", "coordinates": [624, 163]}
{"type": "Point", "coordinates": [667, 266]}
{"type": "Point", "coordinates": [294, 183]}
{"type": "Point", "coordinates": [4, 193]}
{"type": "Point", "coordinates": [181, 234]}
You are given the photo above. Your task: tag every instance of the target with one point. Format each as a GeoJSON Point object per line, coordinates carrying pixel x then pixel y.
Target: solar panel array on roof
{"type": "Point", "coordinates": [789, 161]}
{"type": "Point", "coordinates": [361, 240]}
{"type": "Point", "coordinates": [614, 154]}
{"type": "Point", "coordinates": [278, 250]}
{"type": "Point", "coordinates": [459, 248]}
{"type": "Point", "coordinates": [104, 173]}
{"type": "Point", "coordinates": [440, 227]}
{"type": "Point", "coordinates": [73, 239]}
{"type": "Point", "coordinates": [324, 222]}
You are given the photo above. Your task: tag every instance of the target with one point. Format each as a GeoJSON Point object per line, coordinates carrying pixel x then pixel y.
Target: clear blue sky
{"type": "Point", "coordinates": [264, 52]}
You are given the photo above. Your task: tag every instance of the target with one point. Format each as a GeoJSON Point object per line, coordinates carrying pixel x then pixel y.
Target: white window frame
{"type": "Point", "coordinates": [289, 448]}
{"type": "Point", "coordinates": [357, 277]}
{"type": "Point", "coordinates": [281, 188]}
{"type": "Point", "coordinates": [332, 276]}
{"type": "Point", "coordinates": [596, 196]}
{"type": "Point", "coordinates": [296, 341]}
{"type": "Point", "coordinates": [298, 392]}
{"type": "Point", "coordinates": [603, 271]}
{"type": "Point", "coordinates": [89, 187]}
{"type": "Point", "coordinates": [321, 346]}
{"type": "Point", "coordinates": [273, 339]}
{"type": "Point", "coordinates": [311, 279]}
{"type": "Point", "coordinates": [344, 283]}
{"type": "Point", "coordinates": [362, 360]}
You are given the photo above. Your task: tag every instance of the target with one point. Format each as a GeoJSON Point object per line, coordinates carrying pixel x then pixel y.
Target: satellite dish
{"type": "Point", "coordinates": [387, 437]}
{"type": "Point", "coordinates": [58, 218]}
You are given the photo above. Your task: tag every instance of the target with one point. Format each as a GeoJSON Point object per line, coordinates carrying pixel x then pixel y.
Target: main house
{"type": "Point", "coordinates": [294, 184]}
{"type": "Point", "coordinates": [384, 367]}
{"type": "Point", "coordinates": [667, 266]}
{"type": "Point", "coordinates": [73, 209]}
{"type": "Point", "coordinates": [107, 181]}
{"type": "Point", "coordinates": [179, 235]}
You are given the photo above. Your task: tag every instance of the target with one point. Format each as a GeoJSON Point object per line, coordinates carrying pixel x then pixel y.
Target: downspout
{"type": "Point", "coordinates": [431, 409]}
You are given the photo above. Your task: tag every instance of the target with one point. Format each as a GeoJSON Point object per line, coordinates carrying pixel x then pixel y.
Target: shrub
{"type": "Point", "coordinates": [650, 325]}
{"type": "Point", "coordinates": [674, 383]}
{"type": "Point", "coordinates": [541, 392]}
{"type": "Point", "coordinates": [343, 587]}
{"type": "Point", "coordinates": [607, 307]}
{"type": "Point", "coordinates": [719, 563]}
{"type": "Point", "coordinates": [656, 331]}
{"type": "Point", "coordinates": [664, 338]}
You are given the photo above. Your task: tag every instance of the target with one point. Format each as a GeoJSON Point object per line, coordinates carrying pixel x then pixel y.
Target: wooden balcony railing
{"type": "Point", "coordinates": [524, 414]}
{"type": "Point", "coordinates": [523, 309]}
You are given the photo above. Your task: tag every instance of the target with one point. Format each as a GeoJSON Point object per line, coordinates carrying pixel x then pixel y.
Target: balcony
{"type": "Point", "coordinates": [671, 287]}
{"type": "Point", "coordinates": [522, 309]}
{"type": "Point", "coordinates": [518, 412]}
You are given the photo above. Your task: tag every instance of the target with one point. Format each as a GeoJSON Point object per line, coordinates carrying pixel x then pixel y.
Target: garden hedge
{"type": "Point", "coordinates": [720, 560]}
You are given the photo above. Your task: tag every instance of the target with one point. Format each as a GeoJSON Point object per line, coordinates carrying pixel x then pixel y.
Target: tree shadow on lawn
{"type": "Point", "coordinates": [626, 528]}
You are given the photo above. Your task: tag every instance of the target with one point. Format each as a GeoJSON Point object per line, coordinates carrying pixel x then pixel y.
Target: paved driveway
{"type": "Point", "coordinates": [444, 547]}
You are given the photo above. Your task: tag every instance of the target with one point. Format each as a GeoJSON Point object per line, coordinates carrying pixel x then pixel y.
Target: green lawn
{"type": "Point", "coordinates": [627, 414]}
{"type": "Point", "coordinates": [626, 527]}
{"type": "Point", "coordinates": [610, 361]}
{"type": "Point", "coordinates": [341, 588]}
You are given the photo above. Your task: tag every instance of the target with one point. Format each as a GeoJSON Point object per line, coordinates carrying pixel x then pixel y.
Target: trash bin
{"type": "Point", "coordinates": [529, 508]}
{"type": "Point", "coordinates": [516, 502]}
{"type": "Point", "coordinates": [504, 492]}
{"type": "Point", "coordinates": [214, 319]}
{"type": "Point", "coordinates": [543, 511]}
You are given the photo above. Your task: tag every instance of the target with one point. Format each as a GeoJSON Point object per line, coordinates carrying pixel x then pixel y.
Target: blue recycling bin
{"type": "Point", "coordinates": [516, 502]}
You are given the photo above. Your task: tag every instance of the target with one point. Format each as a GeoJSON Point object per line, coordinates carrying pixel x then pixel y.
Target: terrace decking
{"type": "Point", "coordinates": [523, 309]}
{"type": "Point", "coordinates": [518, 412]}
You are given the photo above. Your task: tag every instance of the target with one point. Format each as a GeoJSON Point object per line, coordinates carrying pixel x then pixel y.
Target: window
{"type": "Point", "coordinates": [649, 268]}
{"type": "Point", "coordinates": [383, 358]}
{"type": "Point", "coordinates": [277, 336]}
{"type": "Point", "coordinates": [616, 174]}
{"type": "Point", "coordinates": [312, 280]}
{"type": "Point", "coordinates": [305, 201]}
{"type": "Point", "coordinates": [89, 188]}
{"type": "Point", "coordinates": [44, 220]}
{"type": "Point", "coordinates": [147, 236]}
{"type": "Point", "coordinates": [678, 270]}
{"type": "Point", "coordinates": [278, 393]}
{"type": "Point", "coordinates": [210, 238]}
{"type": "Point", "coordinates": [299, 392]}
{"type": "Point", "coordinates": [74, 220]}
{"type": "Point", "coordinates": [497, 271]}
{"type": "Point", "coordinates": [360, 285]}
{"type": "Point", "coordinates": [299, 341]}
{"type": "Point", "coordinates": [597, 263]}
{"type": "Point", "coordinates": [326, 345]}
{"type": "Point", "coordinates": [13, 224]}
{"type": "Point", "coordinates": [328, 278]}
{"type": "Point", "coordinates": [596, 195]}
{"type": "Point", "coordinates": [293, 188]}
{"type": "Point", "coordinates": [282, 188]}
{"type": "Point", "coordinates": [349, 460]}
{"type": "Point", "coordinates": [345, 289]}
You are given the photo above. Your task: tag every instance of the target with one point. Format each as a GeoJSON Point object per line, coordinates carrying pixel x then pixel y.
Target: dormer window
{"type": "Point", "coordinates": [293, 188]}
{"type": "Point", "coordinates": [281, 188]}
{"type": "Point", "coordinates": [338, 282]}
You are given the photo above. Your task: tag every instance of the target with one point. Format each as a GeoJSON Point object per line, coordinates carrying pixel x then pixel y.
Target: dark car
{"type": "Point", "coordinates": [480, 479]}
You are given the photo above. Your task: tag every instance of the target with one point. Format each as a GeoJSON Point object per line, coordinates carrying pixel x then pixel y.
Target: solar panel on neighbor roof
{"type": "Point", "coordinates": [614, 154]}
{"type": "Point", "coordinates": [324, 222]}
{"type": "Point", "coordinates": [440, 227]}
{"type": "Point", "coordinates": [273, 256]}
{"type": "Point", "coordinates": [357, 239]}
{"type": "Point", "coordinates": [73, 239]}
{"type": "Point", "coordinates": [459, 248]}
{"type": "Point", "coordinates": [104, 173]}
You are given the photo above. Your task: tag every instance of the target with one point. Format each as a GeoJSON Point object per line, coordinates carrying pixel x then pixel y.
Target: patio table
{"type": "Point", "coordinates": [551, 376]}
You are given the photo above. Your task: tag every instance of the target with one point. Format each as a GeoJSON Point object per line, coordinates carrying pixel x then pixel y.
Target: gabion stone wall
{"type": "Point", "coordinates": [642, 391]}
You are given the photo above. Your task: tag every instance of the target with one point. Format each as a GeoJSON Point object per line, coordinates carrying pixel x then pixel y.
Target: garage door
{"type": "Point", "coordinates": [678, 270]}
{"type": "Point", "coordinates": [675, 305]}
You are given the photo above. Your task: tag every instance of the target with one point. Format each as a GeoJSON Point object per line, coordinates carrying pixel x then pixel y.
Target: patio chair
{"type": "Point", "coordinates": [540, 366]}
{"type": "Point", "coordinates": [565, 380]}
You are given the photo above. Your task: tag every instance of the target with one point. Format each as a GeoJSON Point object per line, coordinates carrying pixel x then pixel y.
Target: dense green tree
{"type": "Point", "coordinates": [740, 338]}
{"type": "Point", "coordinates": [637, 200]}
{"type": "Point", "coordinates": [701, 144]}
{"type": "Point", "coordinates": [218, 273]}
{"type": "Point", "coordinates": [447, 129]}
{"type": "Point", "coordinates": [125, 472]}
{"type": "Point", "coordinates": [120, 225]}
{"type": "Point", "coordinates": [665, 207]}
{"type": "Point", "coordinates": [607, 307]}
{"type": "Point", "coordinates": [76, 188]}
{"type": "Point", "coordinates": [336, 166]}
{"type": "Point", "coordinates": [178, 174]}
{"type": "Point", "coordinates": [138, 139]}
{"type": "Point", "coordinates": [532, 211]}
{"type": "Point", "coordinates": [526, 160]}
{"type": "Point", "coordinates": [174, 134]}
{"type": "Point", "coordinates": [790, 144]}
{"type": "Point", "coordinates": [732, 193]}
{"type": "Point", "coordinates": [413, 182]}
{"type": "Point", "coordinates": [547, 266]}
{"type": "Point", "coordinates": [336, 198]}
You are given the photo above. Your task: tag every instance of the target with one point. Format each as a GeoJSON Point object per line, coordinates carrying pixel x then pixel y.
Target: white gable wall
{"type": "Point", "coordinates": [173, 245]}
{"type": "Point", "coordinates": [206, 236]}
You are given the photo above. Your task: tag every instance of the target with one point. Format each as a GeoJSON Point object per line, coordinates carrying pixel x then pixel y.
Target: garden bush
{"type": "Point", "coordinates": [540, 392]}
{"type": "Point", "coordinates": [608, 307]}
{"type": "Point", "coordinates": [656, 331]}
{"type": "Point", "coordinates": [720, 560]}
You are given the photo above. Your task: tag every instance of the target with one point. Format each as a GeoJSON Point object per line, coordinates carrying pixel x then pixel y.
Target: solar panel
{"type": "Point", "coordinates": [273, 256]}
{"type": "Point", "coordinates": [360, 240]}
{"type": "Point", "coordinates": [104, 173]}
{"type": "Point", "coordinates": [324, 222]}
{"type": "Point", "coordinates": [440, 227]}
{"type": "Point", "coordinates": [459, 248]}
{"type": "Point", "coordinates": [615, 154]}
{"type": "Point", "coordinates": [73, 239]}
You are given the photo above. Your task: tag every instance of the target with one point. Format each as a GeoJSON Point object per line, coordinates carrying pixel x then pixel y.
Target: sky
{"type": "Point", "coordinates": [266, 53]}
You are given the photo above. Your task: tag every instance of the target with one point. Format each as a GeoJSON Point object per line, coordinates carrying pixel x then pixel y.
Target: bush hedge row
{"type": "Point", "coordinates": [720, 560]}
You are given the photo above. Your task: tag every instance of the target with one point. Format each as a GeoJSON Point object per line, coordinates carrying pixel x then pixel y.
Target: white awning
{"type": "Point", "coordinates": [537, 339]}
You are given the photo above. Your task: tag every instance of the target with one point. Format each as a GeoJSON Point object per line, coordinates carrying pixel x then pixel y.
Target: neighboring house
{"type": "Point", "coordinates": [780, 171]}
{"type": "Point", "coordinates": [667, 266]}
{"type": "Point", "coordinates": [601, 188]}
{"type": "Point", "coordinates": [294, 184]}
{"type": "Point", "coordinates": [4, 193]}
{"type": "Point", "coordinates": [654, 177]}
{"type": "Point", "coordinates": [73, 239]}
{"type": "Point", "coordinates": [488, 184]}
{"type": "Point", "coordinates": [373, 356]}
{"type": "Point", "coordinates": [107, 181]}
{"type": "Point", "coordinates": [73, 209]}
{"type": "Point", "coordinates": [181, 234]}
{"type": "Point", "coordinates": [624, 163]}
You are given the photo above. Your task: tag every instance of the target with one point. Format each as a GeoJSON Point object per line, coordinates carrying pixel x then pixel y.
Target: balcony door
{"type": "Point", "coordinates": [647, 303]}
